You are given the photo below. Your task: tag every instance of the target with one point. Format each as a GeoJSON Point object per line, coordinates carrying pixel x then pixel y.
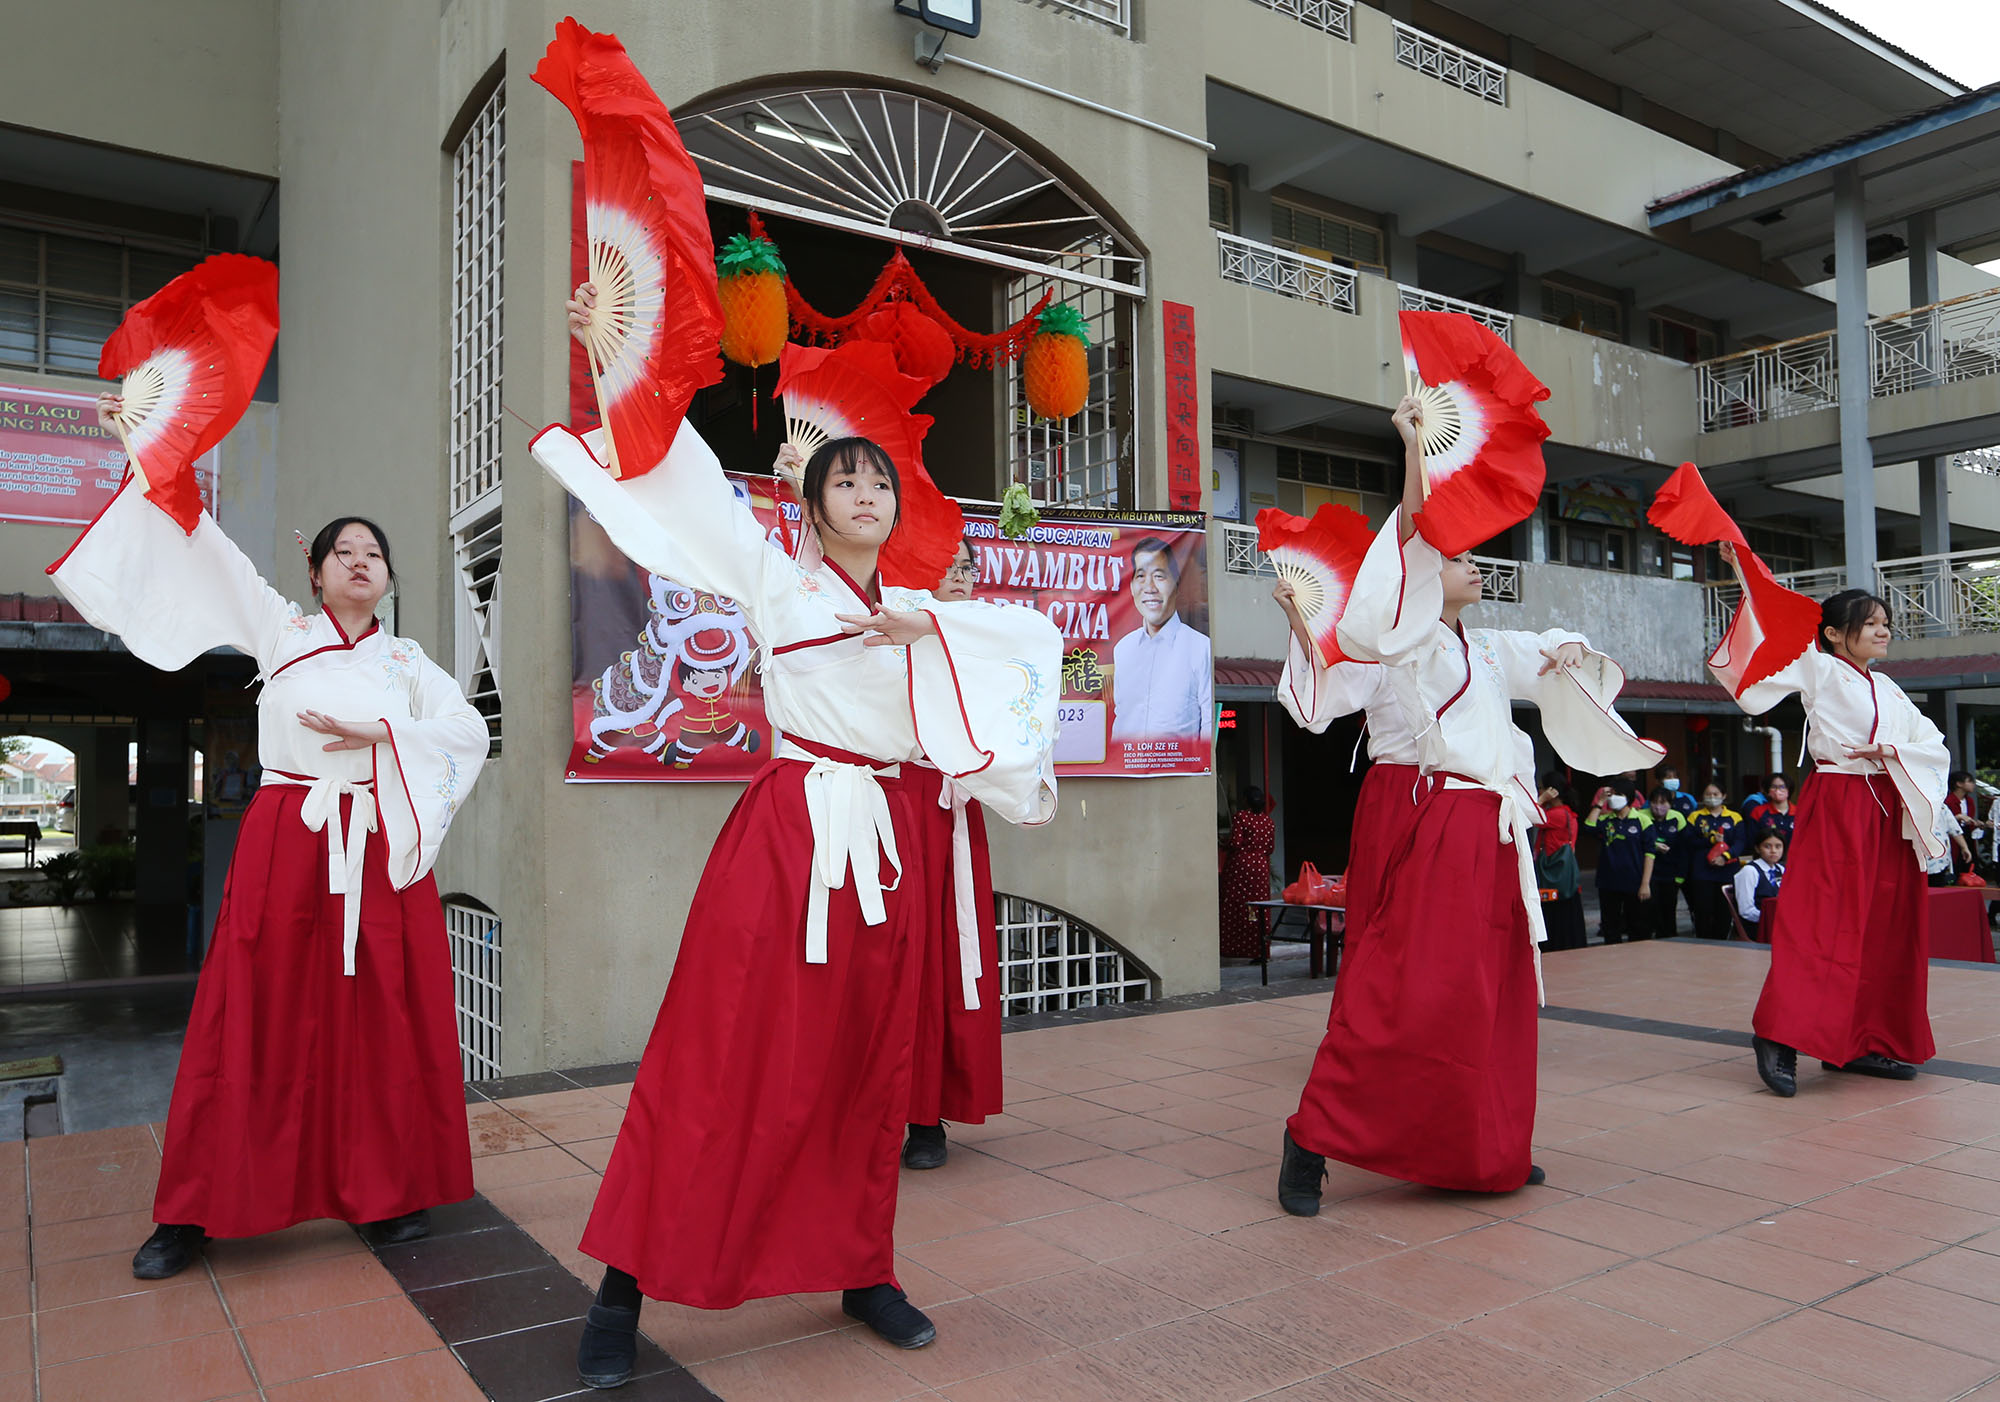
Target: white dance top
{"type": "Point", "coordinates": [1316, 695]}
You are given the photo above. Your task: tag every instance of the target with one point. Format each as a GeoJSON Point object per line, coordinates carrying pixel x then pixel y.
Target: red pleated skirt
{"type": "Point", "coordinates": [1383, 815]}
{"type": "Point", "coordinates": [302, 1092]}
{"type": "Point", "coordinates": [1427, 1070]}
{"type": "Point", "coordinates": [955, 1070]}
{"type": "Point", "coordinates": [1850, 933]}
{"type": "Point", "coordinates": [760, 1150]}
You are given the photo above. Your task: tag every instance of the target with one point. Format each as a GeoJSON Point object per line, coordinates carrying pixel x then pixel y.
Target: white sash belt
{"type": "Point", "coordinates": [851, 830]}
{"type": "Point", "coordinates": [344, 853]}
{"type": "Point", "coordinates": [964, 896]}
{"type": "Point", "coordinates": [1516, 818]}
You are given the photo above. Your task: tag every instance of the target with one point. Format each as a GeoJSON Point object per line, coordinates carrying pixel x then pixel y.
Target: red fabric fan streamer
{"type": "Point", "coordinates": [1320, 558]}
{"type": "Point", "coordinates": [1773, 625]}
{"type": "Point", "coordinates": [190, 356]}
{"type": "Point", "coordinates": [1482, 435]}
{"type": "Point", "coordinates": [855, 391]}
{"type": "Point", "coordinates": [898, 281]}
{"type": "Point", "coordinates": [650, 251]}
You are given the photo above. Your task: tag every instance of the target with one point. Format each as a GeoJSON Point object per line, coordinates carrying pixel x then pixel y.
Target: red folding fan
{"type": "Point", "coordinates": [190, 356]}
{"type": "Point", "coordinates": [855, 391]}
{"type": "Point", "coordinates": [1482, 438]}
{"type": "Point", "coordinates": [1773, 625]}
{"type": "Point", "coordinates": [1319, 558]}
{"type": "Point", "coordinates": [653, 335]}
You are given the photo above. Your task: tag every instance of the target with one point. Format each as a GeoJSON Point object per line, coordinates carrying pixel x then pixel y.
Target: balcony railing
{"type": "Point", "coordinates": [1930, 596]}
{"type": "Point", "coordinates": [1985, 461]}
{"type": "Point", "coordinates": [1335, 17]}
{"type": "Point", "coordinates": [1501, 579]}
{"type": "Point", "coordinates": [1112, 14]}
{"type": "Point", "coordinates": [1286, 273]}
{"type": "Point", "coordinates": [1721, 598]}
{"type": "Point", "coordinates": [1448, 63]}
{"type": "Point", "coordinates": [1936, 345]}
{"type": "Point", "coordinates": [1415, 299]}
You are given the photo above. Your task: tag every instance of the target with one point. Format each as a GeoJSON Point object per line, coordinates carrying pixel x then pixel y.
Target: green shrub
{"type": "Point", "coordinates": [109, 869]}
{"type": "Point", "coordinates": [65, 876]}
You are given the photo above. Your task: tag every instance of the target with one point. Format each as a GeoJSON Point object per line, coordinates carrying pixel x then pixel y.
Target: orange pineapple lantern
{"type": "Point", "coordinates": [750, 281]}
{"type": "Point", "coordinates": [1055, 368]}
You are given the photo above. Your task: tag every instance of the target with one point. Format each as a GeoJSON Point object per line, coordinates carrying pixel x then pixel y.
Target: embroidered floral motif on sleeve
{"type": "Point", "coordinates": [397, 661]}
{"type": "Point", "coordinates": [1023, 705]}
{"type": "Point", "coordinates": [297, 621]}
{"type": "Point", "coordinates": [447, 784]}
{"type": "Point", "coordinates": [809, 585]}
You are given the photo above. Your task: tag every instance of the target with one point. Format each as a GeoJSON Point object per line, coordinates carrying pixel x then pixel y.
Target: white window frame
{"type": "Point", "coordinates": [1091, 458]}
{"type": "Point", "coordinates": [1052, 962]}
{"type": "Point", "coordinates": [474, 933]}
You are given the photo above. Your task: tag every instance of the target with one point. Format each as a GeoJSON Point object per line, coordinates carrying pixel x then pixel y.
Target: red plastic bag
{"type": "Point", "coordinates": [1971, 878]}
{"type": "Point", "coordinates": [1311, 888]}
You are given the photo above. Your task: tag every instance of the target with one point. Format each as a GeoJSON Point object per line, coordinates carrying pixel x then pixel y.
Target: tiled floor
{"type": "Point", "coordinates": [47, 945]}
{"type": "Point", "coordinates": [1113, 1236]}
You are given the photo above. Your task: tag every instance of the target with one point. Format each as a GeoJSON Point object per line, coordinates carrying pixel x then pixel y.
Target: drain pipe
{"type": "Point", "coordinates": [1775, 745]}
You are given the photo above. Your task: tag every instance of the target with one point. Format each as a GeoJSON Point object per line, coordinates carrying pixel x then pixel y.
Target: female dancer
{"type": "Point", "coordinates": [956, 1073]}
{"type": "Point", "coordinates": [320, 1073]}
{"type": "Point", "coordinates": [1427, 1072]}
{"type": "Point", "coordinates": [759, 1153]}
{"type": "Point", "coordinates": [1850, 939]}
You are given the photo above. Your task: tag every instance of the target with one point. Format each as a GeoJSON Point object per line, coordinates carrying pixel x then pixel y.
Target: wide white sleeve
{"type": "Point", "coordinates": [683, 520]}
{"type": "Point", "coordinates": [169, 595]}
{"type": "Point", "coordinates": [1397, 600]}
{"type": "Point", "coordinates": [1746, 891]}
{"type": "Point", "coordinates": [983, 695]}
{"type": "Point", "coordinates": [426, 769]}
{"type": "Point", "coordinates": [1919, 765]}
{"type": "Point", "coordinates": [1576, 702]}
{"type": "Point", "coordinates": [1802, 675]}
{"type": "Point", "coordinates": [1315, 695]}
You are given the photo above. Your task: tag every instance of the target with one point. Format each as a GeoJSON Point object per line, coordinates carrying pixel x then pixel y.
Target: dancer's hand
{"type": "Point", "coordinates": [1875, 752]}
{"type": "Point", "coordinates": [790, 462]}
{"type": "Point", "coordinates": [1408, 419]}
{"type": "Point", "coordinates": [109, 405]}
{"type": "Point", "coordinates": [350, 734]}
{"type": "Point", "coordinates": [580, 307]}
{"type": "Point", "coordinates": [1287, 597]}
{"type": "Point", "coordinates": [1564, 655]}
{"type": "Point", "coordinates": [887, 627]}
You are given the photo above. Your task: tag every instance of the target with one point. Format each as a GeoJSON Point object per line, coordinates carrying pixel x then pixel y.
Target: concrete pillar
{"type": "Point", "coordinates": [1400, 249]}
{"type": "Point", "coordinates": [1520, 55]}
{"type": "Point", "coordinates": [101, 789]}
{"type": "Point", "coordinates": [161, 889]}
{"type": "Point", "coordinates": [1521, 290]}
{"type": "Point", "coordinates": [1933, 473]}
{"type": "Point", "coordinates": [1920, 232]}
{"type": "Point", "coordinates": [1857, 455]}
{"type": "Point", "coordinates": [1955, 732]}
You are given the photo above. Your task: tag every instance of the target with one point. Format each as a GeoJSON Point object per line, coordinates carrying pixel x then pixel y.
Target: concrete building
{"type": "Point", "coordinates": [1294, 171]}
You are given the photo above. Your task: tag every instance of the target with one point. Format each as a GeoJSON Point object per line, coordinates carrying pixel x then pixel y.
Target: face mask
{"type": "Point", "coordinates": [1615, 802]}
{"type": "Point", "coordinates": [1712, 802]}
{"type": "Point", "coordinates": [1671, 785]}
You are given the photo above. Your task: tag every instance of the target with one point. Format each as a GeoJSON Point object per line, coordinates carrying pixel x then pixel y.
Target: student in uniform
{"type": "Point", "coordinates": [1666, 866]}
{"type": "Point", "coordinates": [1623, 827]}
{"type": "Point", "coordinates": [1757, 880]}
{"type": "Point", "coordinates": [1712, 865]}
{"type": "Point", "coordinates": [1555, 865]}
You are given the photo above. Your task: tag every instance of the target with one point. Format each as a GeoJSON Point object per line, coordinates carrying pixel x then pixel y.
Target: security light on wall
{"type": "Point", "coordinates": [952, 16]}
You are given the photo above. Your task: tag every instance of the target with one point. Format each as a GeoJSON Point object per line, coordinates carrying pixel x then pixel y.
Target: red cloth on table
{"type": "Point", "coordinates": [955, 1067]}
{"type": "Point", "coordinates": [1958, 924]}
{"type": "Point", "coordinates": [1850, 933]}
{"type": "Point", "coordinates": [760, 1150]}
{"type": "Point", "coordinates": [302, 1092]}
{"type": "Point", "coordinates": [1427, 1071]}
{"type": "Point", "coordinates": [1246, 876]}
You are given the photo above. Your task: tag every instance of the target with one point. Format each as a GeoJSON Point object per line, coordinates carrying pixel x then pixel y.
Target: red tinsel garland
{"type": "Point", "coordinates": [899, 281]}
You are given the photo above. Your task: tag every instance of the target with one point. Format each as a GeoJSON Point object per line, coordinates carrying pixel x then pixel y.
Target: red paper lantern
{"type": "Point", "coordinates": [924, 349]}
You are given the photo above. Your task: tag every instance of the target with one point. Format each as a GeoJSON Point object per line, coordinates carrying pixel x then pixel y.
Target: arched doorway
{"type": "Point", "coordinates": [845, 164]}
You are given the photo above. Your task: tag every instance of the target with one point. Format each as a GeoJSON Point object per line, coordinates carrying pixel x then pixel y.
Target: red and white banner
{"type": "Point", "coordinates": [57, 467]}
{"type": "Point", "coordinates": [1183, 408]}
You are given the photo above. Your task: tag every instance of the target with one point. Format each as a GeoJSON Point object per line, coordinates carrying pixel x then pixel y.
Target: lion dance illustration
{"type": "Point", "coordinates": [673, 692]}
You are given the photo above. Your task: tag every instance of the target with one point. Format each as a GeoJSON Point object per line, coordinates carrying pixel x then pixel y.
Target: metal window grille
{"type": "Point", "coordinates": [1326, 236]}
{"type": "Point", "coordinates": [1499, 580]}
{"type": "Point", "coordinates": [478, 216]}
{"type": "Point", "coordinates": [1415, 299]}
{"type": "Point", "coordinates": [1112, 14]}
{"type": "Point", "coordinates": [1448, 63]}
{"type": "Point", "coordinates": [62, 294]}
{"type": "Point", "coordinates": [1286, 273]}
{"type": "Point", "coordinates": [1240, 554]}
{"type": "Point", "coordinates": [1221, 204]}
{"type": "Point", "coordinates": [1335, 17]}
{"type": "Point", "coordinates": [1051, 962]}
{"type": "Point", "coordinates": [476, 555]}
{"type": "Point", "coordinates": [474, 933]}
{"type": "Point", "coordinates": [1591, 312]}
{"type": "Point", "coordinates": [1090, 458]}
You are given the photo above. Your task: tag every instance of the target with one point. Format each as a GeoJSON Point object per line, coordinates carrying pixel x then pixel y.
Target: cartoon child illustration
{"type": "Point", "coordinates": [709, 665]}
{"type": "Point", "coordinates": [691, 639]}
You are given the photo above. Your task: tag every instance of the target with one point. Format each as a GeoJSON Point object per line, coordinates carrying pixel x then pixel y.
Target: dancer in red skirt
{"type": "Point", "coordinates": [759, 1153]}
{"type": "Point", "coordinates": [956, 1070]}
{"type": "Point", "coordinates": [1850, 941]}
{"type": "Point", "coordinates": [320, 1073]}
{"type": "Point", "coordinates": [1314, 695]}
{"type": "Point", "coordinates": [1427, 1071]}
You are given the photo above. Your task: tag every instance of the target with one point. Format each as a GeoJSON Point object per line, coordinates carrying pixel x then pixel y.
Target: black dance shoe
{"type": "Point", "coordinates": [1876, 1064]}
{"type": "Point", "coordinates": [888, 1311]}
{"type": "Point", "coordinates": [925, 1148]}
{"type": "Point", "coordinates": [610, 1346]}
{"type": "Point", "coordinates": [1778, 1064]}
{"type": "Point", "coordinates": [1535, 1176]}
{"type": "Point", "coordinates": [171, 1249]}
{"type": "Point", "coordinates": [395, 1231]}
{"type": "Point", "coordinates": [1300, 1173]}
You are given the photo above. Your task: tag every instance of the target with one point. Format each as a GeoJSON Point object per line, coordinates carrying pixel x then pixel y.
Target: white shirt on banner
{"type": "Point", "coordinates": [1162, 684]}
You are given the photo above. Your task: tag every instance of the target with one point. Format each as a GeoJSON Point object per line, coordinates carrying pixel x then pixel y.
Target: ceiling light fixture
{"type": "Point", "coordinates": [802, 136]}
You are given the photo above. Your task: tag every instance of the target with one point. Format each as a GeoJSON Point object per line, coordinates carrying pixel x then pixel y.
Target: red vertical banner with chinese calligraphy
{"type": "Point", "coordinates": [1183, 408]}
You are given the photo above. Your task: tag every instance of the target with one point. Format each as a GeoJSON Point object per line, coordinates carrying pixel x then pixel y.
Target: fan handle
{"type": "Point", "coordinates": [131, 458]}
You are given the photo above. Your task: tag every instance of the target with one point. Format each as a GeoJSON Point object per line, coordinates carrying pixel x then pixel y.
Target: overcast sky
{"type": "Point", "coordinates": [1959, 38]}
